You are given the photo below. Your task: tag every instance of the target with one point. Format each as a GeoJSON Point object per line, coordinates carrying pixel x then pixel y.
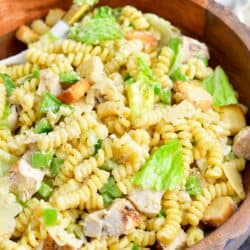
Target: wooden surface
{"type": "Point", "coordinates": [229, 44]}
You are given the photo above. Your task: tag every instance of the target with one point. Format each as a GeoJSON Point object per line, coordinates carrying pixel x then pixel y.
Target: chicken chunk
{"type": "Point", "coordinates": [119, 219]}
{"type": "Point", "coordinates": [193, 48]}
{"type": "Point", "coordinates": [241, 145]}
{"type": "Point", "coordinates": [25, 180]}
{"type": "Point", "coordinates": [233, 117]}
{"type": "Point", "coordinates": [195, 94]}
{"type": "Point", "coordinates": [49, 82]}
{"type": "Point", "coordinates": [146, 201]}
{"type": "Point", "coordinates": [219, 211]}
{"type": "Point", "coordinates": [50, 244]}
{"type": "Point", "coordinates": [177, 243]}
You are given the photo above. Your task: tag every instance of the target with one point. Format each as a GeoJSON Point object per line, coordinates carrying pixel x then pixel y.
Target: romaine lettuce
{"type": "Point", "coordinates": [164, 169]}
{"type": "Point", "coordinates": [175, 45]}
{"type": "Point", "coordinates": [9, 83]}
{"type": "Point", "coordinates": [218, 85]}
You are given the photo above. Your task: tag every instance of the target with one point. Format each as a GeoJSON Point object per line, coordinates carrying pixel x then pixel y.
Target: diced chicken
{"type": "Point", "coordinates": [233, 117]}
{"type": "Point", "coordinates": [75, 92]}
{"type": "Point", "coordinates": [195, 94]}
{"type": "Point", "coordinates": [241, 145]}
{"type": "Point", "coordinates": [25, 180]}
{"type": "Point", "coordinates": [92, 69]}
{"type": "Point", "coordinates": [219, 211]}
{"type": "Point", "coordinates": [149, 41]}
{"type": "Point", "coordinates": [193, 48]}
{"type": "Point", "coordinates": [49, 82]}
{"type": "Point", "coordinates": [177, 243]}
{"type": "Point", "coordinates": [146, 201]}
{"type": "Point", "coordinates": [13, 117]}
{"type": "Point", "coordinates": [50, 244]}
{"type": "Point", "coordinates": [119, 219]}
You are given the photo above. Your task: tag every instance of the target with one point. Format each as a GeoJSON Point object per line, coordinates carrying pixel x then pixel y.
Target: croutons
{"type": "Point", "coordinates": [26, 35]}
{"type": "Point", "coordinates": [149, 41]}
{"type": "Point", "coordinates": [54, 16]}
{"type": "Point", "coordinates": [233, 117]}
{"type": "Point", "coordinates": [40, 27]}
{"type": "Point", "coordinates": [75, 92]}
{"type": "Point", "coordinates": [219, 211]}
{"type": "Point", "coordinates": [50, 244]}
{"type": "Point", "coordinates": [195, 94]}
{"type": "Point", "coordinates": [241, 145]}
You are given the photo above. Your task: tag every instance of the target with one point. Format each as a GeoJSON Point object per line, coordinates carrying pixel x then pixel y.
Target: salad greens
{"type": "Point", "coordinates": [69, 77]}
{"type": "Point", "coordinates": [43, 126]}
{"type": "Point", "coordinates": [41, 160]}
{"type": "Point", "coordinates": [110, 191]}
{"type": "Point", "coordinates": [178, 76]}
{"type": "Point", "coordinates": [175, 45]}
{"type": "Point", "coordinates": [45, 190]}
{"type": "Point", "coordinates": [218, 85]}
{"type": "Point", "coordinates": [106, 12]}
{"type": "Point", "coordinates": [55, 166]}
{"type": "Point", "coordinates": [50, 103]}
{"type": "Point", "coordinates": [50, 216]}
{"type": "Point", "coordinates": [164, 169]}
{"type": "Point", "coordinates": [4, 120]}
{"type": "Point", "coordinates": [98, 145]}
{"type": "Point", "coordinates": [193, 185]}
{"type": "Point", "coordinates": [8, 82]}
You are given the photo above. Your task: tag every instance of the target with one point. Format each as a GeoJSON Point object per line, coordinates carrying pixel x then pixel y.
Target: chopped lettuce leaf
{"type": "Point", "coordinates": [106, 12]}
{"type": "Point", "coordinates": [87, 2]}
{"type": "Point", "coordinates": [135, 247]}
{"type": "Point", "coordinates": [161, 214]}
{"type": "Point", "coordinates": [109, 165]}
{"type": "Point", "coordinates": [55, 166]}
{"type": "Point", "coordinates": [9, 83]}
{"type": "Point", "coordinates": [193, 185]}
{"type": "Point", "coordinates": [4, 123]}
{"type": "Point", "coordinates": [175, 45]}
{"type": "Point", "coordinates": [43, 126]}
{"type": "Point", "coordinates": [6, 161]}
{"type": "Point", "coordinates": [69, 77]}
{"type": "Point", "coordinates": [41, 160]}
{"type": "Point", "coordinates": [50, 216]}
{"type": "Point", "coordinates": [98, 146]}
{"type": "Point", "coordinates": [178, 76]}
{"type": "Point", "coordinates": [165, 96]}
{"type": "Point", "coordinates": [164, 169]}
{"type": "Point", "coordinates": [96, 30]}
{"type": "Point", "coordinates": [110, 191]}
{"type": "Point", "coordinates": [45, 190]}
{"type": "Point", "coordinates": [145, 73]}
{"type": "Point", "coordinates": [50, 103]}
{"type": "Point", "coordinates": [218, 85]}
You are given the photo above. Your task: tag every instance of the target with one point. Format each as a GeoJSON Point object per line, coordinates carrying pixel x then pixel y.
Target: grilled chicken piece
{"type": "Point", "coordinates": [219, 211]}
{"type": "Point", "coordinates": [49, 82]}
{"type": "Point", "coordinates": [195, 94]}
{"type": "Point", "coordinates": [50, 244]}
{"type": "Point", "coordinates": [25, 180]}
{"type": "Point", "coordinates": [177, 243]}
{"type": "Point", "coordinates": [119, 219]}
{"type": "Point", "coordinates": [193, 48]}
{"type": "Point", "coordinates": [233, 117]}
{"type": "Point", "coordinates": [146, 201]}
{"type": "Point", "coordinates": [241, 145]}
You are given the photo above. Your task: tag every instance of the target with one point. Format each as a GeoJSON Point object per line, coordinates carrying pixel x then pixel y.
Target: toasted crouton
{"type": "Point", "coordinates": [50, 244]}
{"type": "Point", "coordinates": [26, 35]}
{"type": "Point", "coordinates": [241, 146]}
{"type": "Point", "coordinates": [75, 92]}
{"type": "Point", "coordinates": [219, 211]}
{"type": "Point", "coordinates": [233, 117]}
{"type": "Point", "coordinates": [195, 94]}
{"type": "Point", "coordinates": [54, 16]}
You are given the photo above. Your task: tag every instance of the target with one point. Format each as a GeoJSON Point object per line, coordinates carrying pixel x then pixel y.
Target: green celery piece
{"type": "Point", "coordinates": [110, 191]}
{"type": "Point", "coordinates": [164, 169]}
{"type": "Point", "coordinates": [218, 85]}
{"type": "Point", "coordinates": [50, 103]}
{"type": "Point", "coordinates": [96, 30]}
{"type": "Point", "coordinates": [41, 160]}
{"type": "Point", "coordinates": [157, 89]}
{"type": "Point", "coordinates": [98, 146]}
{"type": "Point", "coordinates": [165, 96]}
{"type": "Point", "coordinates": [109, 165]}
{"type": "Point", "coordinates": [45, 190]}
{"type": "Point", "coordinates": [4, 124]}
{"type": "Point", "coordinates": [50, 216]}
{"type": "Point", "coordinates": [69, 77]}
{"type": "Point", "coordinates": [6, 161]}
{"type": "Point", "coordinates": [106, 12]}
{"type": "Point", "coordinates": [193, 185]}
{"type": "Point", "coordinates": [55, 166]}
{"type": "Point", "coordinates": [178, 76]}
{"type": "Point", "coordinates": [87, 2]}
{"type": "Point", "coordinates": [9, 83]}
{"type": "Point", "coordinates": [43, 126]}
{"type": "Point", "coordinates": [140, 98]}
{"type": "Point", "coordinates": [135, 247]}
{"type": "Point", "coordinates": [175, 45]}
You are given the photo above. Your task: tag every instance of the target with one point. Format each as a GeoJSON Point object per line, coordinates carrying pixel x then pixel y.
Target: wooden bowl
{"type": "Point", "coordinates": [229, 43]}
